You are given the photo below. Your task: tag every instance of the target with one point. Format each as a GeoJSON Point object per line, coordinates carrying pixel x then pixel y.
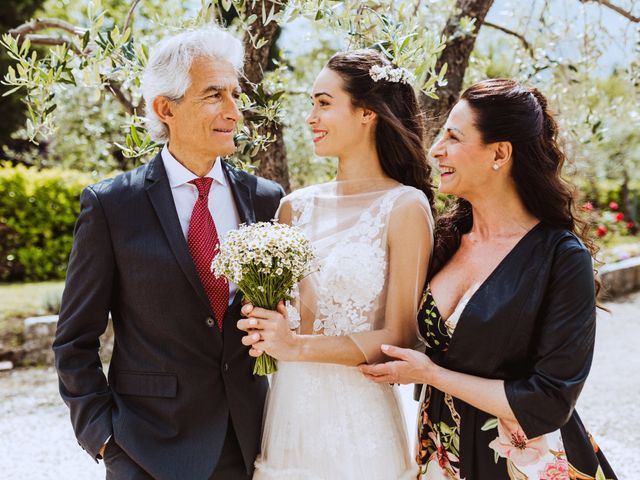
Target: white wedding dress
{"type": "Point", "coordinates": [327, 421]}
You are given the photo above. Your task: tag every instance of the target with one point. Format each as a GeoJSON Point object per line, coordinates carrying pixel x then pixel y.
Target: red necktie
{"type": "Point", "coordinates": [203, 242]}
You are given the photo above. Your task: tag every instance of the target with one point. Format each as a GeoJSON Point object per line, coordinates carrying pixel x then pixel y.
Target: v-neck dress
{"type": "Point", "coordinates": [458, 441]}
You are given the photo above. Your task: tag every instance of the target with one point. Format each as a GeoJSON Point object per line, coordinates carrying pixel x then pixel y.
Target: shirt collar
{"type": "Point", "coordinates": [178, 174]}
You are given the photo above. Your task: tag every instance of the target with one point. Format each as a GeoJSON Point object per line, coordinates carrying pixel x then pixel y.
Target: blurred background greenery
{"type": "Point", "coordinates": [74, 114]}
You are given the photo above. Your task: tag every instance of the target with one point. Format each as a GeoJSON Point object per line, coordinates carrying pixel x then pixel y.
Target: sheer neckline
{"type": "Point", "coordinates": [359, 187]}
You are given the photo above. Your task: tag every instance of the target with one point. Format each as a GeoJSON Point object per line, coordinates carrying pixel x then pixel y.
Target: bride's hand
{"type": "Point", "coordinates": [268, 331]}
{"type": "Point", "coordinates": [411, 367]}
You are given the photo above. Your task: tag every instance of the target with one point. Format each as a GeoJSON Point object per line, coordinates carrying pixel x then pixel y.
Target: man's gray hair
{"type": "Point", "coordinates": [167, 71]}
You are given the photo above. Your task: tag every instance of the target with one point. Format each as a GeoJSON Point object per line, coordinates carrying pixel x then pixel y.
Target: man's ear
{"type": "Point", "coordinates": [502, 153]}
{"type": "Point", "coordinates": [368, 116]}
{"type": "Point", "coordinates": [163, 108]}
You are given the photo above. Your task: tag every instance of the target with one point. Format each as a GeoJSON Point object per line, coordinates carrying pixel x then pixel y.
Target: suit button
{"type": "Point", "coordinates": [225, 367]}
{"type": "Point", "coordinates": [210, 322]}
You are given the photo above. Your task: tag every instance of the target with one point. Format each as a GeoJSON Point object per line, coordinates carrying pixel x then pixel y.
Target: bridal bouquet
{"type": "Point", "coordinates": [265, 260]}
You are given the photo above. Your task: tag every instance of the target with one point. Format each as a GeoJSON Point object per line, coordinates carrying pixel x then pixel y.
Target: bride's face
{"type": "Point", "coordinates": [337, 125]}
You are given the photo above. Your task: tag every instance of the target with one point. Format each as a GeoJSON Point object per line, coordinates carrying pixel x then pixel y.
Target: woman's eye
{"type": "Point", "coordinates": [323, 103]}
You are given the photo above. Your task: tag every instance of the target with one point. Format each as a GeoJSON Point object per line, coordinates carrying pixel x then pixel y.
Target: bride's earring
{"type": "Point", "coordinates": [496, 166]}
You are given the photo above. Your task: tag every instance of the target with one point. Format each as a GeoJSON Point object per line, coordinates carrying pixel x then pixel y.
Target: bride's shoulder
{"type": "Point", "coordinates": [407, 195]}
{"type": "Point", "coordinates": [410, 207]}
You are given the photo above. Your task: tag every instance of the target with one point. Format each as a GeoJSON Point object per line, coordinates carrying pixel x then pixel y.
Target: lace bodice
{"type": "Point", "coordinates": [349, 233]}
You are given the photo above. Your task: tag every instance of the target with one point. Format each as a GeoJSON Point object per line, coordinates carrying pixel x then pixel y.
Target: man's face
{"type": "Point", "coordinates": [203, 121]}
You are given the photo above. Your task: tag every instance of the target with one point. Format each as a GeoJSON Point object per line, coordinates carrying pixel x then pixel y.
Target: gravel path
{"type": "Point", "coordinates": [36, 440]}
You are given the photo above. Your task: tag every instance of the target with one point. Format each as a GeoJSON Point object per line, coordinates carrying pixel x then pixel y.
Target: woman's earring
{"type": "Point", "coordinates": [496, 166]}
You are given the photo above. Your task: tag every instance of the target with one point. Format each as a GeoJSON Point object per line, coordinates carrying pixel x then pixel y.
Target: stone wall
{"type": "Point", "coordinates": [36, 349]}
{"type": "Point", "coordinates": [620, 278]}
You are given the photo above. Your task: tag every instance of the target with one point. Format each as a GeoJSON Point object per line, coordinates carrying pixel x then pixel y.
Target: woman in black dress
{"type": "Point", "coordinates": [508, 313]}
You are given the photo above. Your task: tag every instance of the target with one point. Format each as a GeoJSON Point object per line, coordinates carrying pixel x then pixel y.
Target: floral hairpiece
{"type": "Point", "coordinates": [391, 74]}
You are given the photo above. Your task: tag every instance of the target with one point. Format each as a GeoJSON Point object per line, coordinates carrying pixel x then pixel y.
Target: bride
{"type": "Point", "coordinates": [372, 232]}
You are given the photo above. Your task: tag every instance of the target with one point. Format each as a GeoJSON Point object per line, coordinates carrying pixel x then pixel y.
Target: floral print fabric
{"type": "Point", "coordinates": [495, 449]}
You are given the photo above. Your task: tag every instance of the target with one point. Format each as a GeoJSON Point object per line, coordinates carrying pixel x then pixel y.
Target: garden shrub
{"type": "Point", "coordinates": [38, 210]}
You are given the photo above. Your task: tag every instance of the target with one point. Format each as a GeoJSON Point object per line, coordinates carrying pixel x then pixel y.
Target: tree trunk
{"type": "Point", "coordinates": [272, 162]}
{"type": "Point", "coordinates": [456, 55]}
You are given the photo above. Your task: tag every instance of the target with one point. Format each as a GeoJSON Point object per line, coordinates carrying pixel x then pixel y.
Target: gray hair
{"type": "Point", "coordinates": [167, 71]}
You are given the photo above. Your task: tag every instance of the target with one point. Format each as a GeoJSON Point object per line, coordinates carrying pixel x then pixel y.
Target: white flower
{"type": "Point", "coordinates": [391, 74]}
{"type": "Point", "coordinates": [264, 248]}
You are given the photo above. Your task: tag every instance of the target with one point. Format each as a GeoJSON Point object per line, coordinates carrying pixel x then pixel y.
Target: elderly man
{"type": "Point", "coordinates": [180, 401]}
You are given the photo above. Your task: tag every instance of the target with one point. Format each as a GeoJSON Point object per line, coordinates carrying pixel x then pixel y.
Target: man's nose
{"type": "Point", "coordinates": [232, 111]}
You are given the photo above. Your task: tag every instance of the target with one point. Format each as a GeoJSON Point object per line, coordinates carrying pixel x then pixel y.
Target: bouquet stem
{"type": "Point", "coordinates": [265, 365]}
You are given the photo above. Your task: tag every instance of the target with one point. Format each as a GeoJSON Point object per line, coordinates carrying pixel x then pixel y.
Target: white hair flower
{"type": "Point", "coordinates": [391, 74]}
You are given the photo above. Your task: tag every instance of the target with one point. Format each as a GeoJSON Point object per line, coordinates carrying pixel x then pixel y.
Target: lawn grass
{"type": "Point", "coordinates": [20, 300]}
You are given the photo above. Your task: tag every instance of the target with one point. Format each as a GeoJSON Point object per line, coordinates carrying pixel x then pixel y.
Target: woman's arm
{"type": "Point", "coordinates": [485, 394]}
{"type": "Point", "coordinates": [268, 331]}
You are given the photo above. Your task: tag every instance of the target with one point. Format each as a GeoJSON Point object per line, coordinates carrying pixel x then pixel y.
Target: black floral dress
{"type": "Point", "coordinates": [458, 441]}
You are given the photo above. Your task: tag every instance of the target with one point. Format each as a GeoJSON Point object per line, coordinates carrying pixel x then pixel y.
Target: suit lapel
{"type": "Point", "coordinates": [241, 193]}
{"type": "Point", "coordinates": [159, 191]}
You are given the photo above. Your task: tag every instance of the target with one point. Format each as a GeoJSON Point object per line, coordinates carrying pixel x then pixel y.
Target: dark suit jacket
{"type": "Point", "coordinates": [174, 379]}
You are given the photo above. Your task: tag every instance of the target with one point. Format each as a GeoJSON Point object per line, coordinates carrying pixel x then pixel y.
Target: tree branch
{"type": "Point", "coordinates": [24, 32]}
{"type": "Point", "coordinates": [114, 87]}
{"type": "Point", "coordinates": [615, 8]}
{"type": "Point", "coordinates": [456, 55]}
{"type": "Point", "coordinates": [44, 23]}
{"type": "Point", "coordinates": [47, 40]}
{"type": "Point", "coordinates": [127, 21]}
{"type": "Point", "coordinates": [523, 40]}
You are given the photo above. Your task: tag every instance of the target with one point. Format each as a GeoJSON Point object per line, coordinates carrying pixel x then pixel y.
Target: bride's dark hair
{"type": "Point", "coordinates": [400, 126]}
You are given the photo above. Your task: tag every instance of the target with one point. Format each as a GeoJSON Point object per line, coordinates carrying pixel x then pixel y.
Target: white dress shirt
{"type": "Point", "coordinates": [221, 204]}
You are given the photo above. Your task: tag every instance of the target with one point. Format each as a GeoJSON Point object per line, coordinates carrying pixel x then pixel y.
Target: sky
{"type": "Point", "coordinates": [618, 34]}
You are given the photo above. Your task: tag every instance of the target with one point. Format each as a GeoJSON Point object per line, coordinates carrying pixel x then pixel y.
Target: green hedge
{"type": "Point", "coordinates": [38, 210]}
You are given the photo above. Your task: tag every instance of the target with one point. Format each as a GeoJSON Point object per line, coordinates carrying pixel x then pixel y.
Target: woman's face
{"type": "Point", "coordinates": [338, 126]}
{"type": "Point", "coordinates": [464, 161]}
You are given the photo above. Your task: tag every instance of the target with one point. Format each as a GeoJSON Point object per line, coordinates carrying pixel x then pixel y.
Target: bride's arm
{"type": "Point", "coordinates": [409, 242]}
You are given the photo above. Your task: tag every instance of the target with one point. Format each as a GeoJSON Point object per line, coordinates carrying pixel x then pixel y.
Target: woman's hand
{"type": "Point", "coordinates": [268, 331]}
{"type": "Point", "coordinates": [411, 367]}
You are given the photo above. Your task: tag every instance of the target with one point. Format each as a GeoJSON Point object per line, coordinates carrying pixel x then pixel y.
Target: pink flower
{"type": "Point", "coordinates": [513, 444]}
{"type": "Point", "coordinates": [588, 206]}
{"type": "Point", "coordinates": [558, 470]}
{"type": "Point", "coordinates": [443, 457]}
{"type": "Point", "coordinates": [619, 216]}
{"type": "Point", "coordinates": [439, 463]}
{"type": "Point", "coordinates": [601, 231]}
{"type": "Point", "coordinates": [613, 206]}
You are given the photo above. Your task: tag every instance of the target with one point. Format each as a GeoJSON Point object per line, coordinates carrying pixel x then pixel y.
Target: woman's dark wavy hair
{"type": "Point", "coordinates": [400, 124]}
{"type": "Point", "coordinates": [505, 111]}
